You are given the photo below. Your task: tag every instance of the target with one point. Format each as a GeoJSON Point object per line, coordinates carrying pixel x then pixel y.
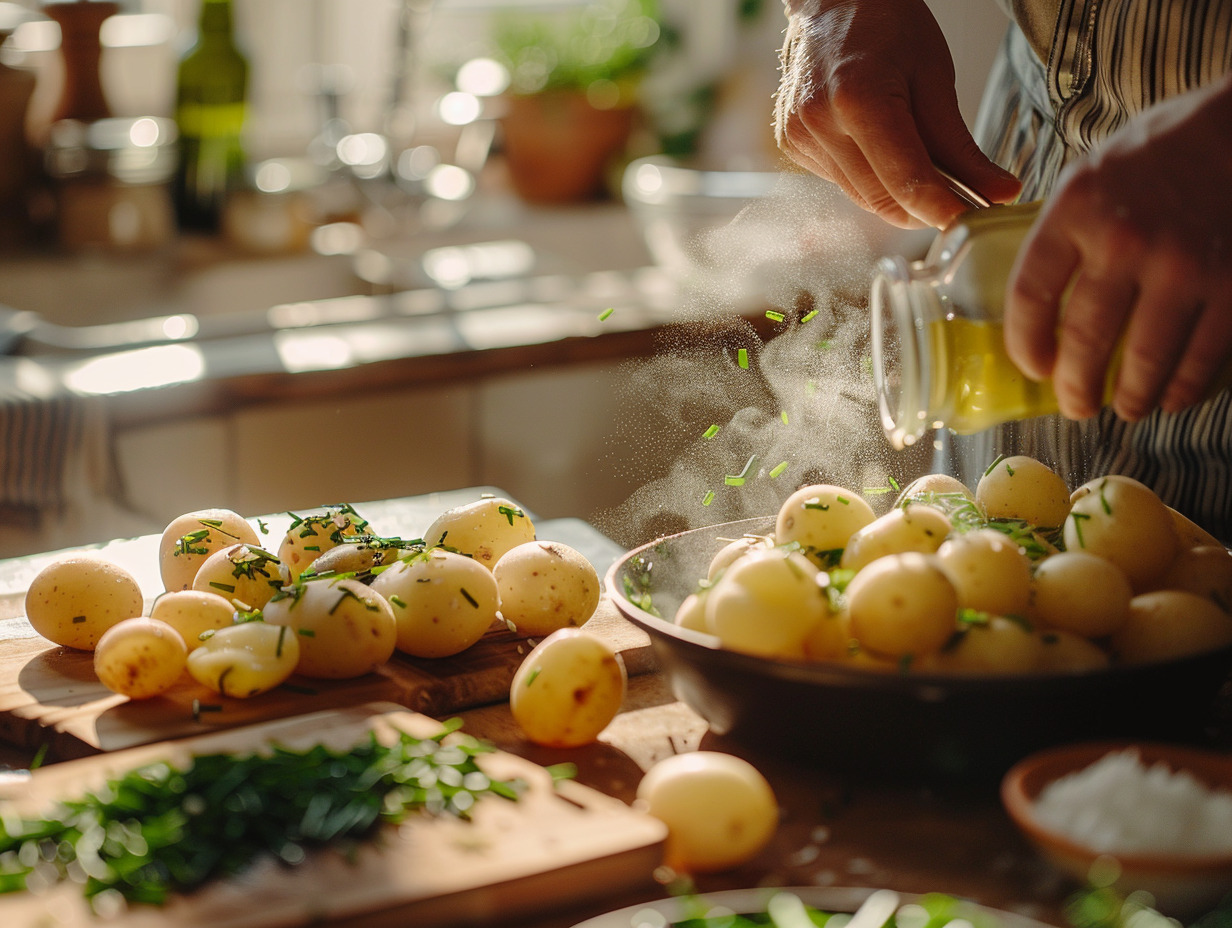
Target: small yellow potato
{"type": "Point", "coordinates": [192, 613]}
{"type": "Point", "coordinates": [568, 689]}
{"type": "Point", "coordinates": [1021, 487]}
{"type": "Point", "coordinates": [245, 660]}
{"type": "Point", "coordinates": [935, 489]}
{"type": "Point", "coordinates": [310, 536]}
{"type": "Point", "coordinates": [989, 644]}
{"type": "Point", "coordinates": [720, 811]}
{"type": "Point", "coordinates": [1167, 624]}
{"type": "Point", "coordinates": [911, 527]}
{"type": "Point", "coordinates": [245, 575]}
{"type": "Point", "coordinates": [767, 603]}
{"type": "Point", "coordinates": [443, 602]}
{"type": "Point", "coordinates": [831, 638]}
{"type": "Point", "coordinates": [484, 529]}
{"type": "Point", "coordinates": [1081, 593]}
{"type": "Point", "coordinates": [345, 629]}
{"type": "Point", "coordinates": [1065, 652]}
{"type": "Point", "coordinates": [1123, 520]}
{"type": "Point", "coordinates": [821, 518]}
{"type": "Point", "coordinates": [74, 599]}
{"type": "Point", "coordinates": [990, 571]}
{"type": "Point", "coordinates": [692, 612]}
{"type": "Point", "coordinates": [1205, 570]}
{"type": "Point", "coordinates": [735, 549]}
{"type": "Point", "coordinates": [140, 657]}
{"type": "Point", "coordinates": [360, 559]}
{"type": "Point", "coordinates": [546, 585]}
{"type": "Point", "coordinates": [189, 539]}
{"type": "Point", "coordinates": [902, 604]}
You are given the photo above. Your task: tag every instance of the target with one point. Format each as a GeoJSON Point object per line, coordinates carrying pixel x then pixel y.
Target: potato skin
{"type": "Point", "coordinates": [75, 599]}
{"type": "Point", "coordinates": [545, 585]}
{"type": "Point", "coordinates": [1168, 624]}
{"type": "Point", "coordinates": [443, 602]}
{"type": "Point", "coordinates": [719, 809]}
{"type": "Point", "coordinates": [484, 529]}
{"type": "Point", "coordinates": [192, 613]}
{"type": "Point", "coordinates": [189, 539]}
{"type": "Point", "coordinates": [903, 605]}
{"type": "Point", "coordinates": [1020, 487]}
{"type": "Point", "coordinates": [567, 689]}
{"type": "Point", "coordinates": [245, 575]}
{"type": "Point", "coordinates": [821, 518]}
{"type": "Point", "coordinates": [140, 657]}
{"type": "Point", "coordinates": [1123, 520]}
{"type": "Point", "coordinates": [245, 660]}
{"type": "Point", "coordinates": [345, 629]}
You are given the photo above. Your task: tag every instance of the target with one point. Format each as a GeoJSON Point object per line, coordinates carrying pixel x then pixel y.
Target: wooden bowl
{"type": "Point", "coordinates": [1184, 885]}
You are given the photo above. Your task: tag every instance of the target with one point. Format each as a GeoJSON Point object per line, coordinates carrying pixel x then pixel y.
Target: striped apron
{"type": "Point", "coordinates": [1069, 73]}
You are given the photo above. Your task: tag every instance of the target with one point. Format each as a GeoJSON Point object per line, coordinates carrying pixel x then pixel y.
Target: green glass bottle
{"type": "Point", "coordinates": [211, 105]}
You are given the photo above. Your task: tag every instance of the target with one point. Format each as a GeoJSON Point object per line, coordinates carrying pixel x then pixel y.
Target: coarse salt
{"type": "Point", "coordinates": [1119, 805]}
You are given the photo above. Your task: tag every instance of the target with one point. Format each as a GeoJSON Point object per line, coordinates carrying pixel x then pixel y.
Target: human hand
{"type": "Point", "coordinates": [866, 99]}
{"type": "Point", "coordinates": [1141, 234]}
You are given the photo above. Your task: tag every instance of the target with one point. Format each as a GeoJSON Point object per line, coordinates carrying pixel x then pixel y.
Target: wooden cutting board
{"type": "Point", "coordinates": [557, 845]}
{"type": "Point", "coordinates": [50, 699]}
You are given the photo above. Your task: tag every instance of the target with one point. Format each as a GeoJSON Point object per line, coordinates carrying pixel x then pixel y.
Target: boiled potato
{"type": "Point", "coordinates": [692, 612]}
{"type": "Point", "coordinates": [545, 585]}
{"type": "Point", "coordinates": [1065, 652]}
{"type": "Point", "coordinates": [345, 629]}
{"type": "Point", "coordinates": [1191, 534]}
{"type": "Point", "coordinates": [990, 571]}
{"type": "Point", "coordinates": [902, 605]}
{"type": "Point", "coordinates": [720, 811]}
{"type": "Point", "coordinates": [1081, 593]}
{"type": "Point", "coordinates": [189, 539]}
{"type": "Point", "coordinates": [989, 644]}
{"type": "Point", "coordinates": [74, 599]}
{"type": "Point", "coordinates": [360, 559]}
{"type": "Point", "coordinates": [1167, 624]}
{"type": "Point", "coordinates": [912, 527]}
{"type": "Point", "coordinates": [245, 575]}
{"type": "Point", "coordinates": [140, 657]}
{"type": "Point", "coordinates": [1123, 520]}
{"type": "Point", "coordinates": [735, 549]}
{"type": "Point", "coordinates": [1206, 570]}
{"type": "Point", "coordinates": [484, 529]}
{"type": "Point", "coordinates": [935, 489]}
{"type": "Point", "coordinates": [821, 518]}
{"type": "Point", "coordinates": [831, 638]}
{"type": "Point", "coordinates": [567, 689]}
{"type": "Point", "coordinates": [767, 603]}
{"type": "Point", "coordinates": [442, 601]}
{"type": "Point", "coordinates": [1021, 487]}
{"type": "Point", "coordinates": [310, 536]}
{"type": "Point", "coordinates": [192, 613]}
{"type": "Point", "coordinates": [245, 660]}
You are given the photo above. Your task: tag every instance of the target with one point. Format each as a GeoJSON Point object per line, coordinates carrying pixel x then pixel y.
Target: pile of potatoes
{"type": "Point", "coordinates": [334, 601]}
{"type": "Point", "coordinates": [1020, 575]}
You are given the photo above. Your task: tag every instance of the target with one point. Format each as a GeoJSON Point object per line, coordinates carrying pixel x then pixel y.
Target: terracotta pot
{"type": "Point", "coordinates": [558, 147]}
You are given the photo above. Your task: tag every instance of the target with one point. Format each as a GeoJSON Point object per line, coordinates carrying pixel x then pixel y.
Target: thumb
{"type": "Point", "coordinates": [951, 145]}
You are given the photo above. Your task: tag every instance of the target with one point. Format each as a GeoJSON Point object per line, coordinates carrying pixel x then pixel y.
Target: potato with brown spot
{"type": "Point", "coordinates": [567, 689]}
{"type": "Point", "coordinates": [191, 538]}
{"type": "Point", "coordinates": [344, 628]}
{"type": "Point", "coordinates": [140, 657]}
{"type": "Point", "coordinates": [546, 585]}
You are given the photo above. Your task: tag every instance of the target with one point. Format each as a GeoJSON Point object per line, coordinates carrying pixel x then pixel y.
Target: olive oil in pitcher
{"type": "Point", "coordinates": [939, 356]}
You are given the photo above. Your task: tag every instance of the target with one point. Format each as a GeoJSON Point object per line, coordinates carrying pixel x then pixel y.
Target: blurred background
{"type": "Point", "coordinates": [273, 254]}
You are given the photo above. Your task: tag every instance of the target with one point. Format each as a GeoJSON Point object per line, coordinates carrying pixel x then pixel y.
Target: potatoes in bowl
{"type": "Point", "coordinates": [974, 689]}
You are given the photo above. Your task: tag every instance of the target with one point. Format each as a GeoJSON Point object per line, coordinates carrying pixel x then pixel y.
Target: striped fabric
{"type": "Point", "coordinates": [1109, 60]}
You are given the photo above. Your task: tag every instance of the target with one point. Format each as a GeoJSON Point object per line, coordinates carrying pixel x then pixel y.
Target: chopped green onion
{"type": "Point", "coordinates": [711, 432]}
{"type": "Point", "coordinates": [708, 498]}
{"type": "Point", "coordinates": [774, 315]}
{"type": "Point", "coordinates": [742, 358]}
{"type": "Point", "coordinates": [778, 469]}
{"type": "Point", "coordinates": [809, 315]}
{"type": "Point", "coordinates": [607, 312]}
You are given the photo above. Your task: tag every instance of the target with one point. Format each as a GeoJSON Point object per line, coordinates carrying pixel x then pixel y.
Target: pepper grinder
{"type": "Point", "coordinates": [81, 50]}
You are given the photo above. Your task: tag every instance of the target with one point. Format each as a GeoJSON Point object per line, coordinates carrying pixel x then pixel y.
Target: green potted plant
{"type": "Point", "coordinates": [571, 104]}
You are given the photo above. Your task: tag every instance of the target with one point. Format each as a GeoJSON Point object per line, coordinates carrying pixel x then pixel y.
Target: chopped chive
{"type": "Point", "coordinates": [708, 498]}
{"type": "Point", "coordinates": [809, 315]}
{"type": "Point", "coordinates": [469, 598]}
{"type": "Point", "coordinates": [604, 315]}
{"type": "Point", "coordinates": [225, 587]}
{"type": "Point", "coordinates": [774, 315]}
{"type": "Point", "coordinates": [738, 479]}
{"type": "Point", "coordinates": [398, 601]}
{"type": "Point", "coordinates": [306, 632]}
{"type": "Point", "coordinates": [711, 432]}
{"type": "Point", "coordinates": [532, 676]}
{"type": "Point", "coordinates": [742, 358]}
{"type": "Point", "coordinates": [778, 469]}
